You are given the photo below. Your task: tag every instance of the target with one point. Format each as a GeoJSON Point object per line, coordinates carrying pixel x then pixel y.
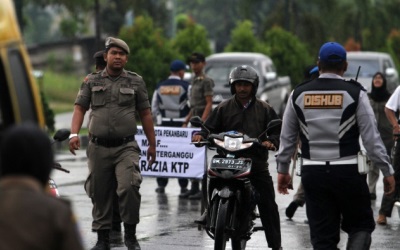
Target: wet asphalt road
{"type": "Point", "coordinates": [167, 221]}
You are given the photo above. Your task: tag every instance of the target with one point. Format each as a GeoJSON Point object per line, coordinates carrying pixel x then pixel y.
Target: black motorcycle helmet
{"type": "Point", "coordinates": [243, 73]}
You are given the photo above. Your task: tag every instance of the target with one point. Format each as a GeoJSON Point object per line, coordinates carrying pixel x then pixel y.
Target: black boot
{"type": "Point", "coordinates": [359, 241]}
{"type": "Point", "coordinates": [103, 240]}
{"type": "Point", "coordinates": [291, 209]}
{"type": "Point", "coordinates": [130, 237]}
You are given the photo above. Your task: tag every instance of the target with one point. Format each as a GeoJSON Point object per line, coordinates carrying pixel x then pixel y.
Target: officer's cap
{"type": "Point", "coordinates": [332, 52]}
{"type": "Point", "coordinates": [116, 42]}
{"type": "Point", "coordinates": [197, 57]}
{"type": "Point", "coordinates": [177, 65]}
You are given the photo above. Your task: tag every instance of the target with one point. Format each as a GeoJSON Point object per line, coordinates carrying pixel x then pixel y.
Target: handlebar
{"type": "Point", "coordinates": [58, 167]}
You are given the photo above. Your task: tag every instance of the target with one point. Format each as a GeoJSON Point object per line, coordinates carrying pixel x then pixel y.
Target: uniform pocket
{"type": "Point", "coordinates": [136, 176]}
{"type": "Point", "coordinates": [98, 96]}
{"type": "Point", "coordinates": [126, 96]}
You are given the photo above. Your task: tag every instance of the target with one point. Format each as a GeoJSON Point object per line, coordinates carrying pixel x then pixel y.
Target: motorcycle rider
{"type": "Point", "coordinates": [247, 114]}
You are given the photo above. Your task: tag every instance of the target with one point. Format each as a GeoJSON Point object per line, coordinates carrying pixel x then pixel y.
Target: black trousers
{"type": "Point", "coordinates": [269, 215]}
{"type": "Point", "coordinates": [162, 182]}
{"type": "Point", "coordinates": [337, 196]}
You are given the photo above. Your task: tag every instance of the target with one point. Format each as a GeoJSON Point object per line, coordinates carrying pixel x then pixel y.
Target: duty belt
{"type": "Point", "coordinates": [111, 142]}
{"type": "Point", "coordinates": [338, 162]}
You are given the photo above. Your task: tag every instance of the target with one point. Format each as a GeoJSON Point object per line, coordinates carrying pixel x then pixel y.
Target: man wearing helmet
{"type": "Point", "coordinates": [245, 113]}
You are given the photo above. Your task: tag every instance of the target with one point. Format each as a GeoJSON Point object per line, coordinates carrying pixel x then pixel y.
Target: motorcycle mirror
{"type": "Point", "coordinates": [197, 122]}
{"type": "Point", "coordinates": [61, 134]}
{"type": "Point", "coordinates": [273, 124]}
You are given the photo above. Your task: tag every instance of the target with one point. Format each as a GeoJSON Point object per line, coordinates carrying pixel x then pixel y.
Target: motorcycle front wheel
{"type": "Point", "coordinates": [239, 244]}
{"type": "Point", "coordinates": [220, 236]}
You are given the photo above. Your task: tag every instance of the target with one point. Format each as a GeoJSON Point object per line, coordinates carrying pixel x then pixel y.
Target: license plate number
{"type": "Point", "coordinates": [229, 163]}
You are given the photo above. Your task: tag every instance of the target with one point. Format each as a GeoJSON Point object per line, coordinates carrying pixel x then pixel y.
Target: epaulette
{"type": "Point", "coordinates": [134, 73]}
{"type": "Point", "coordinates": [356, 83]}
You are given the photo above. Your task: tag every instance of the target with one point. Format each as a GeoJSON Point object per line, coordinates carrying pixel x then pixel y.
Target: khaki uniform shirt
{"type": "Point", "coordinates": [202, 86]}
{"type": "Point", "coordinates": [114, 103]}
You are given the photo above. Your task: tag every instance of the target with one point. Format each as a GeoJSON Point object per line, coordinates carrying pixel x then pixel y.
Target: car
{"type": "Point", "coordinates": [368, 63]}
{"type": "Point", "coordinates": [273, 89]}
{"type": "Point", "coordinates": [20, 99]}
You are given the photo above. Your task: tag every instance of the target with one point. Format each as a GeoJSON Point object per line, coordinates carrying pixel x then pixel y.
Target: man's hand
{"type": "Point", "coordinates": [284, 183]}
{"type": "Point", "coordinates": [197, 138]}
{"type": "Point", "coordinates": [74, 144]}
{"type": "Point", "coordinates": [151, 155]}
{"type": "Point", "coordinates": [388, 185]}
{"type": "Point", "coordinates": [269, 145]}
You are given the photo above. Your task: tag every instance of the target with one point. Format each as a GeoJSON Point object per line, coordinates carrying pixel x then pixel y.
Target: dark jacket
{"type": "Point", "coordinates": [252, 121]}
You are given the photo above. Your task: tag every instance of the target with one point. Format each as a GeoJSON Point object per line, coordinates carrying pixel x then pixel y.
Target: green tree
{"type": "Point", "coordinates": [288, 53]}
{"type": "Point", "coordinates": [151, 53]}
{"type": "Point", "coordinates": [192, 37]}
{"type": "Point", "coordinates": [244, 40]}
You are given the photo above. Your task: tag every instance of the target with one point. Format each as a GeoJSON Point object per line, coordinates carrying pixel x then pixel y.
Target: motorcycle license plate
{"type": "Point", "coordinates": [230, 163]}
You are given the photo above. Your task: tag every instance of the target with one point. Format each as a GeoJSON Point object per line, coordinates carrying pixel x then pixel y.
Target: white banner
{"type": "Point", "coordinates": [176, 157]}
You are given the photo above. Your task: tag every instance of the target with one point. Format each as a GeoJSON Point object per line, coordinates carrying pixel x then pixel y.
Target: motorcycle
{"type": "Point", "coordinates": [232, 198]}
{"type": "Point", "coordinates": [59, 136]}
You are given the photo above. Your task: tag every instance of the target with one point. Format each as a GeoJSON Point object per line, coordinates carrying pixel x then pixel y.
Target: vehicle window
{"type": "Point", "coordinates": [368, 68]}
{"type": "Point", "coordinates": [386, 65]}
{"type": "Point", "coordinates": [220, 72]}
{"type": "Point", "coordinates": [22, 86]}
{"type": "Point", "coordinates": [6, 114]}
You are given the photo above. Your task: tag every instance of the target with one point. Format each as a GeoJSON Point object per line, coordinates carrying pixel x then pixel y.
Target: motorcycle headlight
{"type": "Point", "coordinates": [232, 144]}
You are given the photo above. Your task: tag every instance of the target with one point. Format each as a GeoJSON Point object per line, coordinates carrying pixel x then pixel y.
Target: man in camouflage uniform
{"type": "Point", "coordinates": [115, 96]}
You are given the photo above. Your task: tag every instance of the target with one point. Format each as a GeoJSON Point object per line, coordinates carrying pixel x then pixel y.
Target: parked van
{"type": "Point", "coordinates": [370, 63]}
{"type": "Point", "coordinates": [19, 95]}
{"type": "Point", "coordinates": [272, 88]}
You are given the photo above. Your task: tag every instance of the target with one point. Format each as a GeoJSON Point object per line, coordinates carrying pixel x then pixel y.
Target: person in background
{"type": "Point", "coordinates": [378, 97]}
{"type": "Point", "coordinates": [116, 97]}
{"type": "Point", "coordinates": [100, 63]}
{"type": "Point", "coordinates": [201, 94]}
{"type": "Point", "coordinates": [392, 106]}
{"type": "Point", "coordinates": [311, 72]}
{"type": "Point", "coordinates": [329, 114]}
{"type": "Point", "coordinates": [30, 218]}
{"type": "Point", "coordinates": [170, 107]}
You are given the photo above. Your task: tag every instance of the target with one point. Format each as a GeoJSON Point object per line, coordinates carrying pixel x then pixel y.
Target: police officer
{"type": "Point", "coordinates": [170, 107]}
{"type": "Point", "coordinates": [115, 96]}
{"type": "Point", "coordinates": [329, 114]}
{"type": "Point", "coordinates": [247, 114]}
{"type": "Point", "coordinates": [201, 93]}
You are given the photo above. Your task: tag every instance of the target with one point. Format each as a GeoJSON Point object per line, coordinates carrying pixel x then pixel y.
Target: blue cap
{"type": "Point", "coordinates": [332, 52]}
{"type": "Point", "coordinates": [177, 65]}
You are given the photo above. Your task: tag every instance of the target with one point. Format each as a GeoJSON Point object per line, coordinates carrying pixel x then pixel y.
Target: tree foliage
{"type": "Point", "coordinates": [151, 53]}
{"type": "Point", "coordinates": [288, 53]}
{"type": "Point", "coordinates": [190, 38]}
{"type": "Point", "coordinates": [243, 39]}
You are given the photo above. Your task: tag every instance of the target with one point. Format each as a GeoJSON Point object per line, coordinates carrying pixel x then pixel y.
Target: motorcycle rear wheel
{"type": "Point", "coordinates": [220, 236]}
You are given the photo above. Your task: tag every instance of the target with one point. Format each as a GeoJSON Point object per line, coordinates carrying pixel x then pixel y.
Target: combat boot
{"type": "Point", "coordinates": [359, 241]}
{"type": "Point", "coordinates": [130, 237]}
{"type": "Point", "coordinates": [103, 240]}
